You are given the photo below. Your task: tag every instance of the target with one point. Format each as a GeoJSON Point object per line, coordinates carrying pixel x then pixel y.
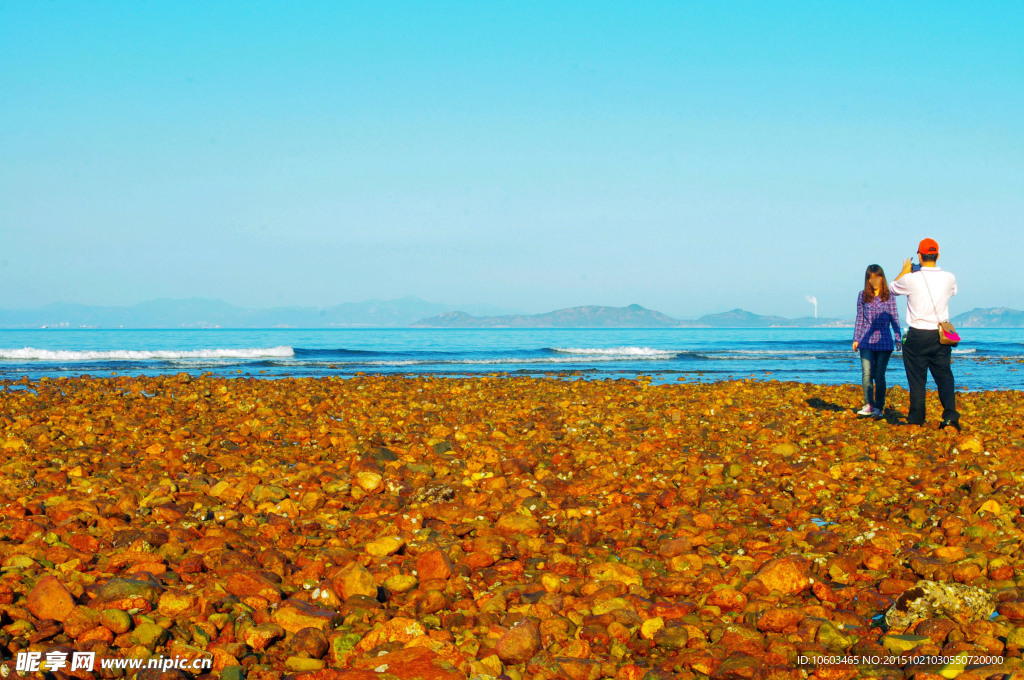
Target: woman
{"type": "Point", "coordinates": [876, 312]}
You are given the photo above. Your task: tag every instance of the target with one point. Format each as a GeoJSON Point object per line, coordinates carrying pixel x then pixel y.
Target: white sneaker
{"type": "Point", "coordinates": [866, 411]}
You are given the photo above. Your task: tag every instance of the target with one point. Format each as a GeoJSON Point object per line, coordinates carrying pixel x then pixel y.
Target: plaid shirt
{"type": "Point", "coordinates": [873, 321]}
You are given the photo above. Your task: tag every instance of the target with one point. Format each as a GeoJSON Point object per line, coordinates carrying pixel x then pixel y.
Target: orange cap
{"type": "Point", "coordinates": [928, 247]}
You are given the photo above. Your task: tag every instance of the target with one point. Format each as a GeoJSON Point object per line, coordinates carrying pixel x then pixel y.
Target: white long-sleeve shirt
{"type": "Point", "coordinates": [928, 291]}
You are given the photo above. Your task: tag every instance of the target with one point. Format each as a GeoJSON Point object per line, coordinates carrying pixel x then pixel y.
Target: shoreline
{"type": "Point", "coordinates": [536, 527]}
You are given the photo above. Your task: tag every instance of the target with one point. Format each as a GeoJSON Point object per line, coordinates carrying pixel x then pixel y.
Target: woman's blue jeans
{"type": "Point", "coordinates": [873, 365]}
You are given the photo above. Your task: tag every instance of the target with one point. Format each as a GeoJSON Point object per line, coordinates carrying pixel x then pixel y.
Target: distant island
{"type": "Point", "coordinates": [632, 316]}
{"type": "Point", "coordinates": [203, 313]}
{"type": "Point", "coordinates": [992, 317]}
{"type": "Point", "coordinates": [413, 312]}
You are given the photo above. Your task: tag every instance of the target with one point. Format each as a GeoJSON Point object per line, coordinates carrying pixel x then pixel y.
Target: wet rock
{"type": "Point", "coordinates": [780, 620]}
{"type": "Point", "coordinates": [355, 579]}
{"type": "Point", "coordinates": [149, 635]}
{"type": "Point", "coordinates": [261, 636]}
{"type": "Point", "coordinates": [254, 583]}
{"type": "Point", "coordinates": [294, 615]}
{"type": "Point", "coordinates": [126, 594]}
{"type": "Point", "coordinates": [116, 620]}
{"type": "Point", "coordinates": [434, 565]}
{"type": "Point", "coordinates": [310, 641]}
{"type": "Point", "coordinates": [929, 599]}
{"type": "Point", "coordinates": [383, 547]}
{"type": "Point", "coordinates": [412, 662]}
{"type": "Point", "coordinates": [174, 602]}
{"type": "Point", "coordinates": [672, 638]}
{"type": "Point", "coordinates": [49, 599]}
{"type": "Point", "coordinates": [519, 644]}
{"type": "Point", "coordinates": [787, 575]}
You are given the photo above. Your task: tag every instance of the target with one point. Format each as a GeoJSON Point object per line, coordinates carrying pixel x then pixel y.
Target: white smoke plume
{"type": "Point", "coordinates": [814, 301]}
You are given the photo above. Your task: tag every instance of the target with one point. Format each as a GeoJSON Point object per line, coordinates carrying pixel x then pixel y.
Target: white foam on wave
{"type": "Point", "coordinates": [33, 354]}
{"type": "Point", "coordinates": [631, 352]}
{"type": "Point", "coordinates": [469, 362]}
{"type": "Point", "coordinates": [966, 350]}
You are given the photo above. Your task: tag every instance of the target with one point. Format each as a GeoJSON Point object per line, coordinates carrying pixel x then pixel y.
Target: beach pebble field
{"type": "Point", "coordinates": [508, 527]}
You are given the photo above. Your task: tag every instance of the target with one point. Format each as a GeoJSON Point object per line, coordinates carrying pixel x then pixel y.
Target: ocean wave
{"type": "Point", "coordinates": [630, 352]}
{"type": "Point", "coordinates": [33, 354]}
{"type": "Point", "coordinates": [779, 352]}
{"type": "Point", "coordinates": [493, 361]}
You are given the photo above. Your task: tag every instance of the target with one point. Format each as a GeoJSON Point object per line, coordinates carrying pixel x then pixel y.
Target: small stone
{"type": "Point", "coordinates": [727, 599]}
{"type": "Point", "coordinates": [401, 583]}
{"type": "Point", "coordinates": [787, 575]}
{"type": "Point", "coordinates": [903, 643]}
{"type": "Point", "coordinates": [81, 620]}
{"type": "Point", "coordinates": [149, 635]}
{"type": "Point", "coordinates": [175, 602]}
{"type": "Point", "coordinates": [260, 637]}
{"type": "Point", "coordinates": [434, 565]}
{"type": "Point", "coordinates": [1012, 609]}
{"type": "Point", "coordinates": [739, 667]}
{"type": "Point", "coordinates": [519, 524]}
{"type": "Point", "coordinates": [614, 571]}
{"type": "Point", "coordinates": [971, 444]}
{"type": "Point", "coordinates": [294, 615]}
{"type": "Point", "coordinates": [355, 579]}
{"type": "Point", "coordinates": [253, 583]}
{"type": "Point", "coordinates": [369, 481]}
{"type": "Point", "coordinates": [611, 604]}
{"type": "Point", "coordinates": [383, 547]}
{"type": "Point", "coordinates": [780, 620]}
{"type": "Point", "coordinates": [49, 599]}
{"type": "Point", "coordinates": [302, 663]}
{"type": "Point", "coordinates": [785, 449]}
{"type": "Point", "coordinates": [651, 627]}
{"type": "Point", "coordinates": [519, 644]}
{"type": "Point", "coordinates": [116, 620]}
{"type": "Point", "coordinates": [125, 594]}
{"type": "Point", "coordinates": [414, 663]}
{"type": "Point", "coordinates": [672, 638]}
{"type": "Point", "coordinates": [310, 641]}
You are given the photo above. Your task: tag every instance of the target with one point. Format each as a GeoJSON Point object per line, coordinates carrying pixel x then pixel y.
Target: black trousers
{"type": "Point", "coordinates": [922, 352]}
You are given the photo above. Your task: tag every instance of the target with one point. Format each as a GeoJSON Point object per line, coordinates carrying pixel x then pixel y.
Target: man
{"type": "Point", "coordinates": [928, 291]}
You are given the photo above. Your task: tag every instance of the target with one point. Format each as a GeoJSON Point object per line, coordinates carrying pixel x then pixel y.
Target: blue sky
{"type": "Point", "coordinates": [690, 157]}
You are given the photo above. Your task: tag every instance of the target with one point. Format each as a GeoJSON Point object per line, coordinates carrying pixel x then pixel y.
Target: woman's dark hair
{"type": "Point", "coordinates": [869, 291]}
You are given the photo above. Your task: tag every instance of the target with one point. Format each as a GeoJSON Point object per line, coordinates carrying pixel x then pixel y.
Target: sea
{"type": "Point", "coordinates": [987, 359]}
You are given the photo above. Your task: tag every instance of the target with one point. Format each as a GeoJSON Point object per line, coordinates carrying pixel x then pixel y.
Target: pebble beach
{"type": "Point", "coordinates": [508, 527]}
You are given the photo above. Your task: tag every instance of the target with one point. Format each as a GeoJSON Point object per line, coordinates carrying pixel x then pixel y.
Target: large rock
{"type": "Point", "coordinates": [387, 545]}
{"type": "Point", "coordinates": [261, 636]}
{"type": "Point", "coordinates": [519, 644]}
{"type": "Point", "coordinates": [931, 599]}
{"type": "Point", "coordinates": [254, 583]}
{"type": "Point", "coordinates": [434, 564]}
{"type": "Point", "coordinates": [125, 594]}
{"type": "Point", "coordinates": [355, 579]}
{"type": "Point", "coordinates": [49, 599]}
{"type": "Point", "coordinates": [787, 575]}
{"type": "Point", "coordinates": [294, 615]}
{"type": "Point", "coordinates": [412, 662]}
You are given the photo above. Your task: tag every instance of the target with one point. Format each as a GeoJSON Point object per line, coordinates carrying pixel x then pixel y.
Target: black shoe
{"type": "Point", "coordinates": [949, 423]}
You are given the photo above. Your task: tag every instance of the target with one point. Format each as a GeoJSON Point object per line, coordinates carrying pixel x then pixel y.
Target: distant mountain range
{"type": "Point", "coordinates": [632, 316]}
{"type": "Point", "coordinates": [991, 317]}
{"type": "Point", "coordinates": [412, 311]}
{"type": "Point", "coordinates": [203, 313]}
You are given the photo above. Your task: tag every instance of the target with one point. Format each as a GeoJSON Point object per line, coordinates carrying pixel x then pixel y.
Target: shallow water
{"type": "Point", "coordinates": [987, 359]}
